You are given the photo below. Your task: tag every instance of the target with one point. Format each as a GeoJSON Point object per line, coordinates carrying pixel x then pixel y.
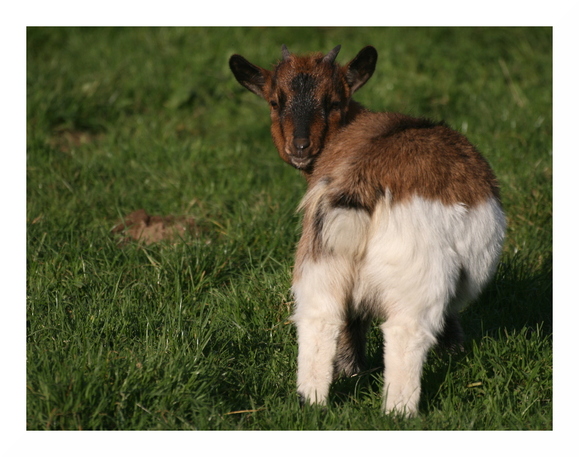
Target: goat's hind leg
{"type": "Point", "coordinates": [316, 351]}
{"type": "Point", "coordinates": [406, 345]}
{"type": "Point", "coordinates": [320, 297]}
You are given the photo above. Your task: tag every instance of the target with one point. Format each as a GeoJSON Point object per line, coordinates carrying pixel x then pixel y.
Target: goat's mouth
{"type": "Point", "coordinates": [301, 158]}
{"type": "Point", "coordinates": [301, 163]}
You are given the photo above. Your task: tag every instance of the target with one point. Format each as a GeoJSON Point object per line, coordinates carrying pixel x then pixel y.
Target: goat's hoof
{"type": "Point", "coordinates": [302, 399]}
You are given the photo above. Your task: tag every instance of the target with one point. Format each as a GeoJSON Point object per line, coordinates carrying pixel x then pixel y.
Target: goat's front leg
{"type": "Point", "coordinates": [351, 348]}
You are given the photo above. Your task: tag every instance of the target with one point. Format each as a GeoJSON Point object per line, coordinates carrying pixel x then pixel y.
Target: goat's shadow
{"type": "Point", "coordinates": [519, 298]}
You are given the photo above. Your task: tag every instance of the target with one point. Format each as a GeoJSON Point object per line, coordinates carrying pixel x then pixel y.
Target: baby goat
{"type": "Point", "coordinates": [402, 222]}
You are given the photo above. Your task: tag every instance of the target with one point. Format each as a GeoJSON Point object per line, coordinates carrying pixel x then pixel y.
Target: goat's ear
{"type": "Point", "coordinates": [361, 68]}
{"type": "Point", "coordinates": [249, 76]}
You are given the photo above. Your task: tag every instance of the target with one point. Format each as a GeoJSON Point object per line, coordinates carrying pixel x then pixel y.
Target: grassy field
{"type": "Point", "coordinates": [192, 333]}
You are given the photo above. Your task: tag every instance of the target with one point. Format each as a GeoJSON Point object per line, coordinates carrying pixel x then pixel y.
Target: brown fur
{"type": "Point", "coordinates": [405, 155]}
{"type": "Point", "coordinates": [360, 153]}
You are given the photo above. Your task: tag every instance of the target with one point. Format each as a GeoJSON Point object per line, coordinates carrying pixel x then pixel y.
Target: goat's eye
{"type": "Point", "coordinates": [335, 106]}
{"type": "Point", "coordinates": [273, 104]}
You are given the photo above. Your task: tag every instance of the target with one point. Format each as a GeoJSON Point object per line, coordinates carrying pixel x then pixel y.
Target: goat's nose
{"type": "Point", "coordinates": [301, 144]}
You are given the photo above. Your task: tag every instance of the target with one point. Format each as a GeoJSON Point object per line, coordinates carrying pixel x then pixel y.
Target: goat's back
{"type": "Point", "coordinates": [405, 156]}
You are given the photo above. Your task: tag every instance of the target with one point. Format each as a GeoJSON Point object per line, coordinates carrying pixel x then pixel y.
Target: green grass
{"type": "Point", "coordinates": [194, 335]}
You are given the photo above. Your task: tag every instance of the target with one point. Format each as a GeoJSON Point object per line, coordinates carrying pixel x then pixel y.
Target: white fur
{"type": "Point", "coordinates": [412, 261]}
{"type": "Point", "coordinates": [344, 232]}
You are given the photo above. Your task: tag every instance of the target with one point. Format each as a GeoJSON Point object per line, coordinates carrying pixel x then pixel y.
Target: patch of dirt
{"type": "Point", "coordinates": [140, 226]}
{"type": "Point", "coordinates": [65, 139]}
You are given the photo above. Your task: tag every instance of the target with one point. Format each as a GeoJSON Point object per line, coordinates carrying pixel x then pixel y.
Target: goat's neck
{"type": "Point", "coordinates": [354, 109]}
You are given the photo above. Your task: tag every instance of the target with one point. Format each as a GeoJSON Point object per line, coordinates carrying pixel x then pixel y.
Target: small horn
{"type": "Point", "coordinates": [285, 52]}
{"type": "Point", "coordinates": [331, 56]}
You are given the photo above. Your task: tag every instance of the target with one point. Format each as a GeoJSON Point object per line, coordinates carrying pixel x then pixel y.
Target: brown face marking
{"type": "Point", "coordinates": [304, 104]}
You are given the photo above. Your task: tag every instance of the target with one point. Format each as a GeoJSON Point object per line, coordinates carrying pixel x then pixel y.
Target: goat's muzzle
{"type": "Point", "coordinates": [301, 146]}
{"type": "Point", "coordinates": [301, 153]}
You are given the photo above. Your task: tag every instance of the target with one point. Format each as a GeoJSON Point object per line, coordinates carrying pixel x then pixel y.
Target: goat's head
{"type": "Point", "coordinates": [309, 98]}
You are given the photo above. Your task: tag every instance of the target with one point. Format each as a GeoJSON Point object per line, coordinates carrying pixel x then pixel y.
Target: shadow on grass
{"type": "Point", "coordinates": [520, 297]}
{"type": "Point", "coordinates": [517, 302]}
